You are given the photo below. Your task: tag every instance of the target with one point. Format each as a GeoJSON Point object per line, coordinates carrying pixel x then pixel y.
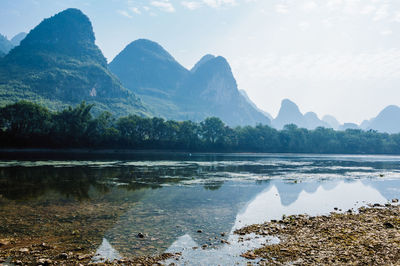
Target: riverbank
{"type": "Point", "coordinates": [370, 236]}
{"type": "Point", "coordinates": [68, 233]}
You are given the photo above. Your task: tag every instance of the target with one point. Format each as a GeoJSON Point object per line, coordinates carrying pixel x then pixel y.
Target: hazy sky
{"type": "Point", "coordinates": [339, 57]}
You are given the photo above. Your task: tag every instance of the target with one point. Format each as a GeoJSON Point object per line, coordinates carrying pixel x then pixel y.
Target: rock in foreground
{"type": "Point", "coordinates": [370, 237]}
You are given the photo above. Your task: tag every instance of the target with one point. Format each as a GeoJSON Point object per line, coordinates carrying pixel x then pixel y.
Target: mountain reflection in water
{"type": "Point", "coordinates": [170, 200]}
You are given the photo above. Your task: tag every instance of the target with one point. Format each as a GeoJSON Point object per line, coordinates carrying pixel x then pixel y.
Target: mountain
{"type": "Point", "coordinates": [211, 90]}
{"type": "Point", "coordinates": [148, 70]}
{"type": "Point", "coordinates": [388, 120]}
{"type": "Point", "coordinates": [346, 126]}
{"type": "Point", "coordinates": [145, 67]}
{"type": "Point", "coordinates": [244, 94]}
{"type": "Point", "coordinates": [173, 92]}
{"type": "Point", "coordinates": [312, 121]}
{"type": "Point", "coordinates": [289, 113]}
{"type": "Point", "coordinates": [203, 60]}
{"type": "Point", "coordinates": [16, 40]}
{"type": "Point", "coordinates": [331, 121]}
{"type": "Point", "coordinates": [59, 64]}
{"type": "Point", "coordinates": [5, 45]}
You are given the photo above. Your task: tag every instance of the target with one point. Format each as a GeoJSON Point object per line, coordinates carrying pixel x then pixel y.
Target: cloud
{"type": "Point", "coordinates": [381, 13]}
{"type": "Point", "coordinates": [191, 4]}
{"type": "Point", "coordinates": [309, 6]}
{"type": "Point", "coordinates": [281, 8]}
{"type": "Point", "coordinates": [326, 67]}
{"type": "Point", "coordinates": [135, 10]}
{"type": "Point", "coordinates": [219, 3]}
{"type": "Point", "coordinates": [304, 25]}
{"type": "Point", "coordinates": [124, 13]}
{"type": "Point", "coordinates": [386, 32]}
{"type": "Point", "coordinates": [368, 9]}
{"type": "Point", "coordinates": [165, 5]}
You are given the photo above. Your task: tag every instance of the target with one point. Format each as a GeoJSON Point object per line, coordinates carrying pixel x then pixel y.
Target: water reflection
{"type": "Point", "coordinates": [170, 200]}
{"type": "Point", "coordinates": [268, 205]}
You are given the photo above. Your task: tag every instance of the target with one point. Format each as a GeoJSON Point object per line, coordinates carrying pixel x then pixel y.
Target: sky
{"type": "Point", "coordinates": [337, 57]}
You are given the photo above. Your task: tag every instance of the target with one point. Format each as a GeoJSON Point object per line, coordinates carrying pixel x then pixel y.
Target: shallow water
{"type": "Point", "coordinates": [169, 197]}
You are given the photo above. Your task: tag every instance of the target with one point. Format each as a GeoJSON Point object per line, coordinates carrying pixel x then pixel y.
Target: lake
{"type": "Point", "coordinates": [135, 204]}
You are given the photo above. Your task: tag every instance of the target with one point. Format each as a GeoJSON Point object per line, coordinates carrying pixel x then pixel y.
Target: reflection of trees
{"type": "Point", "coordinates": [77, 182]}
{"type": "Point", "coordinates": [22, 183]}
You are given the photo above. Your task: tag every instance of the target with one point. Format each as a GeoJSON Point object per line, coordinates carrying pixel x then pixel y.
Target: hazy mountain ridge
{"type": "Point", "coordinates": [246, 96]}
{"type": "Point", "coordinates": [388, 120]}
{"type": "Point", "coordinates": [58, 64]}
{"type": "Point", "coordinates": [173, 92]}
{"type": "Point", "coordinates": [332, 121]}
{"type": "Point", "coordinates": [6, 45]}
{"type": "Point", "coordinates": [16, 40]}
{"type": "Point", "coordinates": [290, 113]}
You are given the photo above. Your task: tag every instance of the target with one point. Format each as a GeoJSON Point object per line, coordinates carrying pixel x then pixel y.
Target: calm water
{"type": "Point", "coordinates": [169, 197]}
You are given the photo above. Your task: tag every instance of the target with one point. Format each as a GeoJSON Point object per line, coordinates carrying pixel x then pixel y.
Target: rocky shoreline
{"type": "Point", "coordinates": [369, 236]}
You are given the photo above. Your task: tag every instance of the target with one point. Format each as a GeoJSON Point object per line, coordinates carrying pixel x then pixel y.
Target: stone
{"type": "Point", "coordinates": [63, 256]}
{"type": "Point", "coordinates": [86, 256]}
{"type": "Point", "coordinates": [249, 255]}
{"type": "Point", "coordinates": [44, 261]}
{"type": "Point", "coordinates": [388, 225]}
{"type": "Point", "coordinates": [24, 250]}
{"type": "Point", "coordinates": [395, 200]}
{"type": "Point", "coordinates": [199, 231]}
{"type": "Point", "coordinates": [4, 242]}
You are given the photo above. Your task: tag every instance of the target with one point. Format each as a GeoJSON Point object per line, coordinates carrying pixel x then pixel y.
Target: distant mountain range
{"type": "Point", "coordinates": [58, 64]}
{"type": "Point", "coordinates": [6, 45]}
{"type": "Point", "coordinates": [173, 92]}
{"type": "Point", "coordinates": [289, 113]}
{"type": "Point", "coordinates": [388, 120]}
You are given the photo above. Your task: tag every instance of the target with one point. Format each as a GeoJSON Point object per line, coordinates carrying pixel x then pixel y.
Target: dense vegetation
{"type": "Point", "coordinates": [26, 124]}
{"type": "Point", "coordinates": [58, 64]}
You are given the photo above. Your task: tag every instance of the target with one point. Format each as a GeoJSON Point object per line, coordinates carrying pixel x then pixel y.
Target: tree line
{"type": "Point", "coordinates": [30, 125]}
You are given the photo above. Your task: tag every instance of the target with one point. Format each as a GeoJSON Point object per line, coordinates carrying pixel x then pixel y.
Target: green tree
{"type": "Point", "coordinates": [212, 131]}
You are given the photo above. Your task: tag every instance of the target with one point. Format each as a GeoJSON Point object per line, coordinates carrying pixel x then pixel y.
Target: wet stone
{"type": "Point", "coordinates": [388, 225]}
{"type": "Point", "coordinates": [63, 256]}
